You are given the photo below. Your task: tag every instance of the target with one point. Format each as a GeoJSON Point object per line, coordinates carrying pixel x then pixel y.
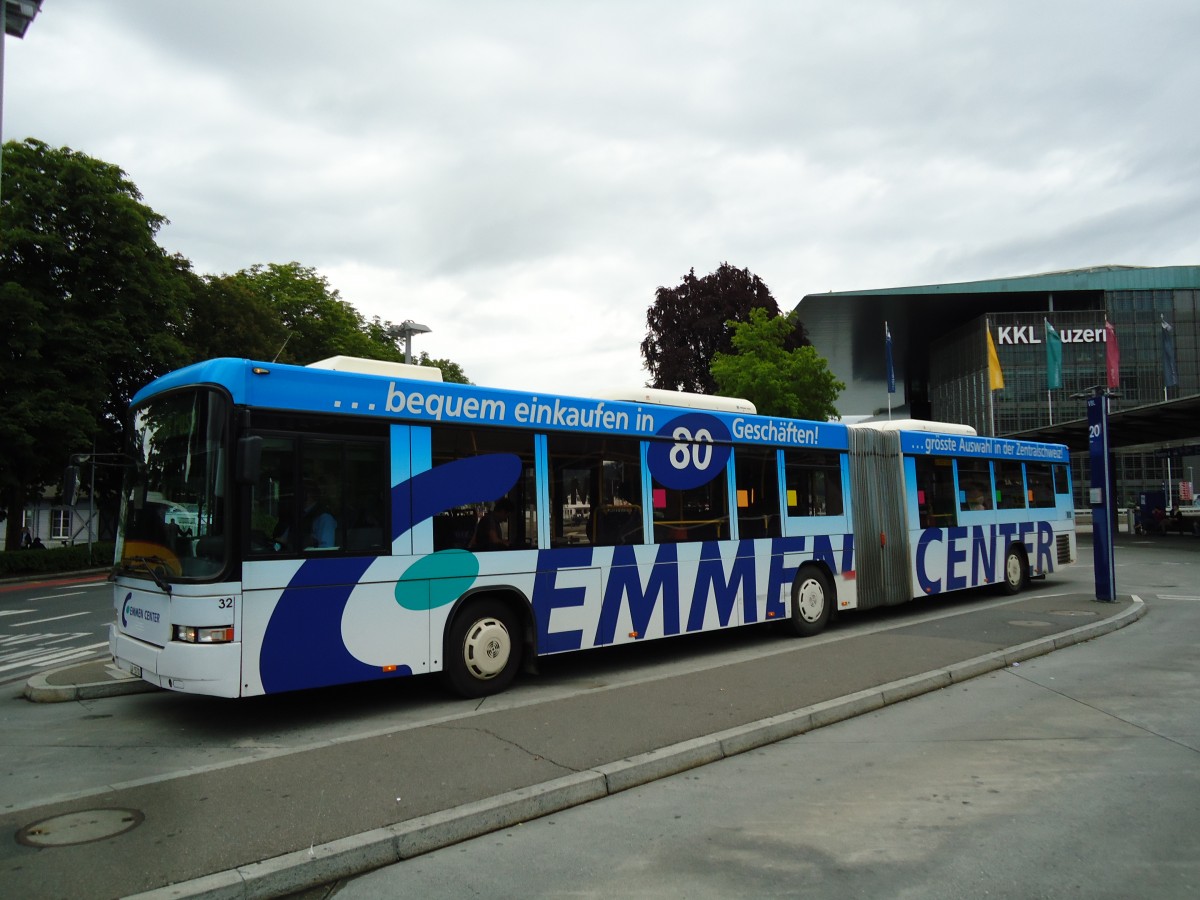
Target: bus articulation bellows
{"type": "Point", "coordinates": [289, 527]}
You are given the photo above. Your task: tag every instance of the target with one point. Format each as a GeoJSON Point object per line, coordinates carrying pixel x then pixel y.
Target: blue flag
{"type": "Point", "coordinates": [1170, 371]}
{"type": "Point", "coordinates": [891, 369]}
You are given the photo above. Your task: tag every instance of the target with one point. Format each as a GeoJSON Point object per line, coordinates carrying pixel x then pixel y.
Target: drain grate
{"type": "Point", "coordinates": [80, 827]}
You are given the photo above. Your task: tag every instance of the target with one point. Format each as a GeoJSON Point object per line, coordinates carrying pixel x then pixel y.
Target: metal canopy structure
{"type": "Point", "coordinates": [1151, 427]}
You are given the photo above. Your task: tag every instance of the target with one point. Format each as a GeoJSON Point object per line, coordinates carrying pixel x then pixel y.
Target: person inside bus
{"type": "Point", "coordinates": [317, 523]}
{"type": "Point", "coordinates": [976, 498]}
{"type": "Point", "coordinates": [488, 534]}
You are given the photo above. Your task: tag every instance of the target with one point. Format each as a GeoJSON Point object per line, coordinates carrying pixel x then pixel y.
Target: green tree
{"type": "Point", "coordinates": [779, 382]}
{"type": "Point", "coordinates": [451, 371]}
{"type": "Point", "coordinates": [90, 306]}
{"type": "Point", "coordinates": [689, 324]}
{"type": "Point", "coordinates": [316, 322]}
{"type": "Point", "coordinates": [290, 311]}
{"type": "Point", "coordinates": [227, 318]}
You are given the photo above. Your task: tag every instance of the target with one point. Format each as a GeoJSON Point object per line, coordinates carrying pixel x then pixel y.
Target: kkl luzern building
{"type": "Point", "coordinates": [940, 351]}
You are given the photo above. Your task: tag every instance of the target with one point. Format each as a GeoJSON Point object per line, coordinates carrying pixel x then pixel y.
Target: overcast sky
{"type": "Point", "coordinates": [521, 176]}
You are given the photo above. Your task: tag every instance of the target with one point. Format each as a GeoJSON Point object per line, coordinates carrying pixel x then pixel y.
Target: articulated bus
{"type": "Point", "coordinates": [287, 527]}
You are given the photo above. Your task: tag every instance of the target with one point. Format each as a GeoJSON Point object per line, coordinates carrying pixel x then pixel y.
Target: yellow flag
{"type": "Point", "coordinates": [995, 375]}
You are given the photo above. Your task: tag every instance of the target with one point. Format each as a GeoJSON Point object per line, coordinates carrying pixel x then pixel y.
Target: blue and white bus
{"type": "Point", "coordinates": [354, 520]}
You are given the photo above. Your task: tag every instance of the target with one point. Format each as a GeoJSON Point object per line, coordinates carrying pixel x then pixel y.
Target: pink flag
{"type": "Point", "coordinates": [1112, 356]}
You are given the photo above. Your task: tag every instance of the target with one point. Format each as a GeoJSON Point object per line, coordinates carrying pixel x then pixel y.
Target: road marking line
{"type": "Point", "coordinates": [1176, 597]}
{"type": "Point", "coordinates": [51, 619]}
{"type": "Point", "coordinates": [65, 655]}
{"type": "Point", "coordinates": [15, 612]}
{"type": "Point", "coordinates": [39, 657]}
{"type": "Point", "coordinates": [70, 637]}
{"type": "Point", "coordinates": [13, 640]}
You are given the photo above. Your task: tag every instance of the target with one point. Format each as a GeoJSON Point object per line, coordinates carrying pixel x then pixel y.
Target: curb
{"type": "Point", "coordinates": [39, 690]}
{"type": "Point", "coordinates": [361, 853]}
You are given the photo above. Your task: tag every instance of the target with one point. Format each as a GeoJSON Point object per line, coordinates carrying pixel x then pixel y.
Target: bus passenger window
{"type": "Point", "coordinates": [814, 482]}
{"type": "Point", "coordinates": [319, 494]}
{"type": "Point", "coordinates": [1010, 484]}
{"type": "Point", "coordinates": [974, 484]}
{"type": "Point", "coordinates": [1040, 481]}
{"type": "Point", "coordinates": [1062, 479]}
{"type": "Point", "coordinates": [595, 490]}
{"type": "Point", "coordinates": [694, 514]}
{"type": "Point", "coordinates": [455, 528]}
{"type": "Point", "coordinates": [757, 474]}
{"type": "Point", "coordinates": [935, 492]}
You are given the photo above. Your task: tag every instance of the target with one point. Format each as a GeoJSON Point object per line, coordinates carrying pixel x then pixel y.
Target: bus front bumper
{"type": "Point", "coordinates": [212, 669]}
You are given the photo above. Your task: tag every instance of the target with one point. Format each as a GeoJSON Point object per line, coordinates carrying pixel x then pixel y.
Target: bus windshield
{"type": "Point", "coordinates": [173, 515]}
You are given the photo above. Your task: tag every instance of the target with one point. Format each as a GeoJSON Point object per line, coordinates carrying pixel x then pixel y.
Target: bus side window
{"type": "Point", "coordinates": [1040, 479]}
{"type": "Point", "coordinates": [1010, 484]}
{"type": "Point", "coordinates": [757, 473]}
{"type": "Point", "coordinates": [699, 513]}
{"type": "Point", "coordinates": [1062, 479]}
{"type": "Point", "coordinates": [312, 486]}
{"type": "Point", "coordinates": [814, 482]}
{"type": "Point", "coordinates": [935, 492]}
{"type": "Point", "coordinates": [974, 484]}
{"type": "Point", "coordinates": [595, 490]}
{"type": "Point", "coordinates": [455, 528]}
{"type": "Point", "coordinates": [273, 497]}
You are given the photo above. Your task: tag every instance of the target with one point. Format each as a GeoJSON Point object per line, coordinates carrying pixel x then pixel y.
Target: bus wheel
{"type": "Point", "coordinates": [483, 649]}
{"type": "Point", "coordinates": [1016, 571]}
{"type": "Point", "coordinates": [812, 602]}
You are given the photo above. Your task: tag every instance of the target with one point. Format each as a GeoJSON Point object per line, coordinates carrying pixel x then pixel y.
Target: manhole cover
{"type": "Point", "coordinates": [1072, 612]}
{"type": "Point", "coordinates": [79, 827]}
{"type": "Point", "coordinates": [1029, 623]}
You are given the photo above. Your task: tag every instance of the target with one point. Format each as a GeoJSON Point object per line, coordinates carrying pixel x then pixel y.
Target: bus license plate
{"type": "Point", "coordinates": [135, 671]}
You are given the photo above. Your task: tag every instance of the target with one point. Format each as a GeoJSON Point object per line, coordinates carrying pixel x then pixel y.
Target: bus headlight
{"type": "Point", "coordinates": [190, 634]}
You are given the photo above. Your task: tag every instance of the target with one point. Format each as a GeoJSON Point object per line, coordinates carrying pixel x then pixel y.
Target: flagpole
{"type": "Point", "coordinates": [891, 366]}
{"type": "Point", "coordinates": [992, 409]}
{"type": "Point", "coordinates": [987, 328]}
{"type": "Point", "coordinates": [1162, 323]}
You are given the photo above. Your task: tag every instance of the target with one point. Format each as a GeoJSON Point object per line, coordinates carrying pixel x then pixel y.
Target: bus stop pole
{"type": "Point", "coordinates": [1100, 497]}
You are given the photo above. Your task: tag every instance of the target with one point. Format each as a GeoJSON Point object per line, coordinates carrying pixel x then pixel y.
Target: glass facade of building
{"type": "Point", "coordinates": [958, 374]}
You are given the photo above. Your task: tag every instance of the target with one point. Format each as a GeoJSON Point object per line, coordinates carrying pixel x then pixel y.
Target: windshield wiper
{"type": "Point", "coordinates": [154, 566]}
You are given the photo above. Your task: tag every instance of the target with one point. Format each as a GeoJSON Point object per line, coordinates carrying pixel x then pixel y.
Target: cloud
{"type": "Point", "coordinates": [522, 176]}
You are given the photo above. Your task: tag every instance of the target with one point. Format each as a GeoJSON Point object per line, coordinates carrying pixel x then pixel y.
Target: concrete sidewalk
{"type": "Point", "coordinates": [276, 826]}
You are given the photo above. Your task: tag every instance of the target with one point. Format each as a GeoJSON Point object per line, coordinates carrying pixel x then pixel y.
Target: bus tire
{"type": "Point", "coordinates": [1016, 570]}
{"type": "Point", "coordinates": [812, 602]}
{"type": "Point", "coordinates": [482, 650]}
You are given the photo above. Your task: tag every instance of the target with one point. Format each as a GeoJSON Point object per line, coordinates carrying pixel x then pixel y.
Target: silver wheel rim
{"type": "Point", "coordinates": [1013, 569]}
{"type": "Point", "coordinates": [810, 600]}
{"type": "Point", "coordinates": [487, 648]}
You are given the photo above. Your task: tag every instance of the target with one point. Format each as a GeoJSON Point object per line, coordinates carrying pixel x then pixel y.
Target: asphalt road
{"type": "Point", "coordinates": [1070, 775]}
{"type": "Point", "coordinates": [51, 623]}
{"type": "Point", "coordinates": [262, 797]}
{"type": "Point", "coordinates": [1073, 775]}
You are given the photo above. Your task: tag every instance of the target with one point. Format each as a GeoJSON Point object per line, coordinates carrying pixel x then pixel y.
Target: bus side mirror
{"type": "Point", "coordinates": [70, 485]}
{"type": "Point", "coordinates": [249, 459]}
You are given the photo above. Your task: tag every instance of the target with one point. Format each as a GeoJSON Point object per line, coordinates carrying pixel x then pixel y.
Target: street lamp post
{"type": "Point", "coordinates": [406, 330]}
